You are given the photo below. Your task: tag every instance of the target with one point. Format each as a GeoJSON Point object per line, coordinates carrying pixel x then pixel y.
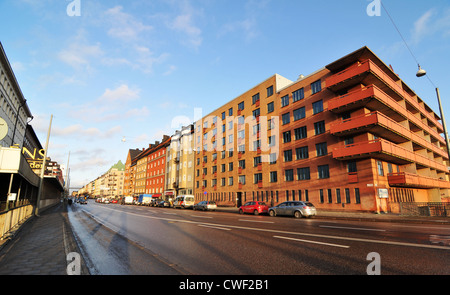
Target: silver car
{"type": "Point", "coordinates": [205, 205]}
{"type": "Point", "coordinates": [297, 209]}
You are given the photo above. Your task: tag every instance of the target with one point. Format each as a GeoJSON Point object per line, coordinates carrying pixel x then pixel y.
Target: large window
{"type": "Point", "coordinates": [302, 152]}
{"type": "Point", "coordinates": [289, 174]}
{"type": "Point", "coordinates": [323, 171]}
{"type": "Point", "coordinates": [321, 149]}
{"type": "Point", "coordinates": [285, 101]}
{"type": "Point", "coordinates": [299, 113]}
{"type": "Point", "coordinates": [303, 173]}
{"type": "Point", "coordinates": [316, 87]}
{"type": "Point", "coordinates": [317, 107]}
{"type": "Point", "coordinates": [298, 95]}
{"type": "Point", "coordinates": [319, 127]}
{"type": "Point", "coordinates": [286, 118]}
{"type": "Point", "coordinates": [300, 133]}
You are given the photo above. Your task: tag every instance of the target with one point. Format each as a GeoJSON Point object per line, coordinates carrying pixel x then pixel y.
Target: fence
{"type": "Point", "coordinates": [425, 208]}
{"type": "Point", "coordinates": [13, 217]}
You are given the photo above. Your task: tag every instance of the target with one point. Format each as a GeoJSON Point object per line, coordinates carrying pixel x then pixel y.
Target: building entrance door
{"type": "Point", "coordinates": [239, 199]}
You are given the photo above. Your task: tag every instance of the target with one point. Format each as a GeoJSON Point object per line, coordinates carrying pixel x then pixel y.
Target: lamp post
{"type": "Point", "coordinates": [420, 73]}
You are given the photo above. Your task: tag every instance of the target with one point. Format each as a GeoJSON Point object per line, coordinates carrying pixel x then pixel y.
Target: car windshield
{"type": "Point", "coordinates": [309, 204]}
{"type": "Point", "coordinates": [262, 203]}
{"type": "Point", "coordinates": [212, 203]}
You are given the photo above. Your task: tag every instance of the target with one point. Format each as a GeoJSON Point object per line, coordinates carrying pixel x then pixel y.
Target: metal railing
{"type": "Point", "coordinates": [425, 209]}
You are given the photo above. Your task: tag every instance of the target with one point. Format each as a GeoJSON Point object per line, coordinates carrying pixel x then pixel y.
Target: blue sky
{"type": "Point", "coordinates": [128, 68]}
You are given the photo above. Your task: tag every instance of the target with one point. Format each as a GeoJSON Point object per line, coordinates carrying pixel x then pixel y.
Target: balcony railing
{"type": "Point", "coordinates": [383, 149]}
{"type": "Point", "coordinates": [405, 179]}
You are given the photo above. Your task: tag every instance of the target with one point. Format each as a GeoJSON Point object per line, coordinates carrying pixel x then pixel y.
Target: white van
{"type": "Point", "coordinates": [184, 201]}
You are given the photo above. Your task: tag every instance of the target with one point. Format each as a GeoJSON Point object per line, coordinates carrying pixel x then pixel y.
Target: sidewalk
{"type": "Point", "coordinates": [41, 246]}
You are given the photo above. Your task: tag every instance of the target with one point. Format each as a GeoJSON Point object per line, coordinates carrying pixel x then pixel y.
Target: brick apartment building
{"type": "Point", "coordinates": [350, 136]}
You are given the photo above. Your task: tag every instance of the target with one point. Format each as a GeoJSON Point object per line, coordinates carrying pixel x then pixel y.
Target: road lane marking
{"type": "Point", "coordinates": [200, 216]}
{"type": "Point", "coordinates": [260, 221]}
{"type": "Point", "coordinates": [290, 233]}
{"type": "Point", "coordinates": [312, 242]}
{"type": "Point", "coordinates": [354, 228]}
{"type": "Point", "coordinates": [216, 227]}
{"type": "Point", "coordinates": [168, 213]}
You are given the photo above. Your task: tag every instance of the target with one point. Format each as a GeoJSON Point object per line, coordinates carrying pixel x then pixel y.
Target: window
{"type": "Point", "coordinates": [317, 107]}
{"type": "Point", "coordinates": [351, 167]}
{"type": "Point", "coordinates": [289, 174]}
{"type": "Point", "coordinates": [321, 149]}
{"type": "Point", "coordinates": [230, 166]}
{"type": "Point", "coordinates": [299, 113]}
{"type": "Point", "coordinates": [285, 101]}
{"type": "Point", "coordinates": [273, 176]}
{"type": "Point", "coordinates": [242, 164]}
{"type": "Point", "coordinates": [273, 158]}
{"type": "Point", "coordinates": [222, 167]}
{"type": "Point", "coordinates": [300, 133]}
{"type": "Point", "coordinates": [230, 112]}
{"type": "Point", "coordinates": [302, 153]}
{"type": "Point", "coordinates": [357, 196]}
{"type": "Point", "coordinates": [230, 180]}
{"type": "Point", "coordinates": [288, 155]}
{"type": "Point", "coordinates": [330, 197]}
{"type": "Point", "coordinates": [303, 173]}
{"type": "Point", "coordinates": [223, 116]}
{"type": "Point", "coordinates": [242, 179]}
{"type": "Point", "coordinates": [256, 113]}
{"type": "Point", "coordinates": [241, 106]}
{"type": "Point", "coordinates": [255, 98]}
{"type": "Point", "coordinates": [323, 171]}
{"type": "Point", "coordinates": [286, 118]}
{"type": "Point", "coordinates": [270, 107]}
{"type": "Point", "coordinates": [287, 136]}
{"type": "Point", "coordinates": [380, 168]}
{"type": "Point", "coordinates": [257, 178]}
{"type": "Point", "coordinates": [321, 195]}
{"type": "Point", "coordinates": [319, 127]}
{"type": "Point", "coordinates": [270, 91]}
{"type": "Point", "coordinates": [271, 140]}
{"type": "Point", "coordinates": [256, 161]}
{"type": "Point", "coordinates": [347, 196]}
{"type": "Point", "coordinates": [316, 87]}
{"type": "Point", "coordinates": [298, 95]}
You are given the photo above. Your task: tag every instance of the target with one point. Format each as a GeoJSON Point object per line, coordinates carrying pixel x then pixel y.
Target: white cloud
{"type": "Point", "coordinates": [185, 23]}
{"type": "Point", "coordinates": [121, 94]}
{"type": "Point", "coordinates": [431, 22]}
{"type": "Point", "coordinates": [123, 25]}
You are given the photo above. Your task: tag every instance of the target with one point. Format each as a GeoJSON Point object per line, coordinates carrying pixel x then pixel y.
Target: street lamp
{"type": "Point", "coordinates": [420, 73]}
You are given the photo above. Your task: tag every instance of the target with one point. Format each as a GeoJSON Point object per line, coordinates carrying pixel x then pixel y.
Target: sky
{"type": "Point", "coordinates": [110, 69]}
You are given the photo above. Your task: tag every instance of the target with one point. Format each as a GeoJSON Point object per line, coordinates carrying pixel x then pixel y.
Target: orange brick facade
{"type": "Point", "coordinates": [351, 136]}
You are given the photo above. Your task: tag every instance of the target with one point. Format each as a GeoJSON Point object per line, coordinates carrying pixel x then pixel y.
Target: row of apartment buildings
{"type": "Point", "coordinates": [350, 136]}
{"type": "Point", "coordinates": [108, 185]}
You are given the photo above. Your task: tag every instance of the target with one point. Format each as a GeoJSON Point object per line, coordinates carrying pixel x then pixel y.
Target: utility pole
{"type": "Point", "coordinates": [44, 162]}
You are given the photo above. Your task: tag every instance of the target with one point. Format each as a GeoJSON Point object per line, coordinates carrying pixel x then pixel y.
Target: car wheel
{"type": "Point", "coordinates": [241, 211]}
{"type": "Point", "coordinates": [298, 214]}
{"type": "Point", "coordinates": [272, 213]}
{"type": "Point", "coordinates": [255, 212]}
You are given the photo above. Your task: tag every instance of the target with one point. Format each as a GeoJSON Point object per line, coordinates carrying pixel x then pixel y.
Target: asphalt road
{"type": "Point", "coordinates": [119, 239]}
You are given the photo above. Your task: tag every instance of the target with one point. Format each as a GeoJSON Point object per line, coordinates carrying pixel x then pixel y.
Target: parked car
{"type": "Point", "coordinates": [205, 205]}
{"type": "Point", "coordinates": [255, 207]}
{"type": "Point", "coordinates": [297, 209]}
{"type": "Point", "coordinates": [185, 201]}
{"type": "Point", "coordinates": [164, 204]}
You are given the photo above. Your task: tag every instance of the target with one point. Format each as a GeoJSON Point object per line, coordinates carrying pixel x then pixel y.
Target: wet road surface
{"type": "Point", "coordinates": [145, 240]}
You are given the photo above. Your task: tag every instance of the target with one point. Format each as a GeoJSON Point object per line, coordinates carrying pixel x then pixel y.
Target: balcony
{"type": "Point", "coordinates": [352, 177]}
{"type": "Point", "coordinates": [367, 73]}
{"type": "Point", "coordinates": [386, 151]}
{"type": "Point", "coordinates": [411, 180]}
{"type": "Point", "coordinates": [382, 126]}
{"type": "Point", "coordinates": [260, 185]}
{"type": "Point", "coordinates": [374, 98]}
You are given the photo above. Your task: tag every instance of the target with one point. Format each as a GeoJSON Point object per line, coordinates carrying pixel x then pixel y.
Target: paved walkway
{"type": "Point", "coordinates": [41, 246]}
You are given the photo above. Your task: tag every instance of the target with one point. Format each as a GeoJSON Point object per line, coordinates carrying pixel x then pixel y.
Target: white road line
{"type": "Point", "coordinates": [256, 221]}
{"type": "Point", "coordinates": [354, 228]}
{"type": "Point", "coordinates": [216, 227]}
{"type": "Point", "coordinates": [200, 216]}
{"type": "Point", "coordinates": [168, 213]}
{"type": "Point", "coordinates": [312, 242]}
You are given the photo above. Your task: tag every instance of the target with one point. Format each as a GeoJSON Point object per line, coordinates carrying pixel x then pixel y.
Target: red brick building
{"type": "Point", "coordinates": [350, 136]}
